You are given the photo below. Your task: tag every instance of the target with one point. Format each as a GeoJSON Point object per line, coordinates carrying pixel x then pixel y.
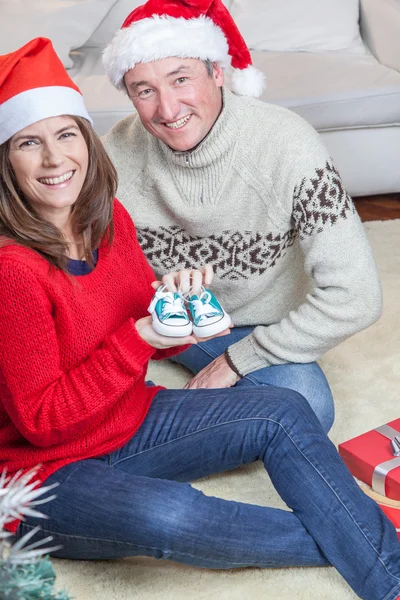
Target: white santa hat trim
{"type": "Point", "coordinates": [159, 37]}
{"type": "Point", "coordinates": [37, 104]}
{"type": "Point", "coordinates": [248, 82]}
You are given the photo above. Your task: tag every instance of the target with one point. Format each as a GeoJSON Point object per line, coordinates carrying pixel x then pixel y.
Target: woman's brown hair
{"type": "Point", "coordinates": [92, 213]}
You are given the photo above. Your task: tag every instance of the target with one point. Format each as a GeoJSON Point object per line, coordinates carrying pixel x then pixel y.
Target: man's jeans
{"type": "Point", "coordinates": [307, 378]}
{"type": "Point", "coordinates": [135, 502]}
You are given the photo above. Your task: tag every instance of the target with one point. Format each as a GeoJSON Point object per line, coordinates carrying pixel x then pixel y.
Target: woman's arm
{"type": "Point", "coordinates": [47, 404]}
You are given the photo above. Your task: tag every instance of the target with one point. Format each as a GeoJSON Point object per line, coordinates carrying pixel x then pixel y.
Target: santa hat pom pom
{"type": "Point", "coordinates": [248, 82]}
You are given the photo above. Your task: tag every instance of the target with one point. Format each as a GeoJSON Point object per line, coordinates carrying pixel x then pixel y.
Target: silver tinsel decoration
{"type": "Point", "coordinates": [25, 572]}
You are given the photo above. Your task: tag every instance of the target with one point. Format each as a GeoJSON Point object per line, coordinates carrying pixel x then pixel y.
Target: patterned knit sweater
{"type": "Point", "coordinates": [72, 365]}
{"type": "Point", "coordinates": [260, 200]}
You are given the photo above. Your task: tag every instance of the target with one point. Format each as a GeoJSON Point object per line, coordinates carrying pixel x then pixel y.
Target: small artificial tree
{"type": "Point", "coordinates": [25, 572]}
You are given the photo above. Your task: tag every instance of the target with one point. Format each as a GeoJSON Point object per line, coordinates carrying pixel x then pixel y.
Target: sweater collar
{"type": "Point", "coordinates": [219, 140]}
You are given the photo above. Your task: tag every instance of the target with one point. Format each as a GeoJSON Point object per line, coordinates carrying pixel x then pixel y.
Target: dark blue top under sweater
{"type": "Point", "coordinates": [81, 267]}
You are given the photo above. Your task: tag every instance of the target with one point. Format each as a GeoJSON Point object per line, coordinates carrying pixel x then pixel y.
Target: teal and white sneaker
{"type": "Point", "coordinates": [169, 314]}
{"type": "Point", "coordinates": [208, 316]}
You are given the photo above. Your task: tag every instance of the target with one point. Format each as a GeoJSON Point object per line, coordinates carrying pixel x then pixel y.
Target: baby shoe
{"type": "Point", "coordinates": [168, 313]}
{"type": "Point", "coordinates": [208, 316]}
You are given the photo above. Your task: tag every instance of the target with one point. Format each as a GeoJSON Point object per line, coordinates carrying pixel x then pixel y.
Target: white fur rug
{"type": "Point", "coordinates": [364, 374]}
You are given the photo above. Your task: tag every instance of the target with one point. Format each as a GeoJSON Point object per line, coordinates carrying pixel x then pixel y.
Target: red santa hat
{"type": "Point", "coordinates": [34, 85]}
{"type": "Point", "coordinates": [186, 28]}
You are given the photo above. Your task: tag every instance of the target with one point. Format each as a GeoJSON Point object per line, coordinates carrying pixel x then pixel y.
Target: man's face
{"type": "Point", "coordinates": [177, 100]}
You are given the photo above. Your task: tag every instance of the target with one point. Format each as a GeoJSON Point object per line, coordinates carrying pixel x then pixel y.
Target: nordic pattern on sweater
{"type": "Point", "coordinates": [234, 255]}
{"type": "Point", "coordinates": [72, 365]}
{"type": "Point", "coordinates": [239, 255]}
{"type": "Point", "coordinates": [260, 200]}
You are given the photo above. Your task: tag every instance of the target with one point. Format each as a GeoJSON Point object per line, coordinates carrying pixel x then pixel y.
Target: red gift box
{"type": "Point", "coordinates": [364, 456]}
{"type": "Point", "coordinates": [393, 514]}
{"type": "Point", "coordinates": [391, 508]}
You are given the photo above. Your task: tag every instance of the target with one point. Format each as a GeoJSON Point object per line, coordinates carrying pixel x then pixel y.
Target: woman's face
{"type": "Point", "coordinates": [50, 162]}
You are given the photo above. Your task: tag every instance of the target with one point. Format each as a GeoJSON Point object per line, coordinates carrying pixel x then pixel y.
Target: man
{"type": "Point", "coordinates": [212, 177]}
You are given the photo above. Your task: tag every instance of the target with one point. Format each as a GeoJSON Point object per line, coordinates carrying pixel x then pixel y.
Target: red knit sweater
{"type": "Point", "coordinates": [72, 365]}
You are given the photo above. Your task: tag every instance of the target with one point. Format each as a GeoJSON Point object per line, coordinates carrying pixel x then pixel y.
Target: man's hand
{"type": "Point", "coordinates": [217, 374]}
{"type": "Point", "coordinates": [187, 279]}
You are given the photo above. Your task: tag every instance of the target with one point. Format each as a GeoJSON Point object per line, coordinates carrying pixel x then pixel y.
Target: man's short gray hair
{"type": "Point", "coordinates": [209, 65]}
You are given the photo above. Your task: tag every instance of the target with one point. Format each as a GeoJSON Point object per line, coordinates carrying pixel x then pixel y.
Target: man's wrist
{"type": "Point", "coordinates": [231, 364]}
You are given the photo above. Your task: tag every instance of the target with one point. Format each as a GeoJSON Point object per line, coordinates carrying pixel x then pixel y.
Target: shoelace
{"type": "Point", "coordinates": [172, 305]}
{"type": "Point", "coordinates": [202, 305]}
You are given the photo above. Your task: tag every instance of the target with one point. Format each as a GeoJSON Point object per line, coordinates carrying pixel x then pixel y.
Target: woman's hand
{"type": "Point", "coordinates": [162, 342]}
{"type": "Point", "coordinates": [187, 279]}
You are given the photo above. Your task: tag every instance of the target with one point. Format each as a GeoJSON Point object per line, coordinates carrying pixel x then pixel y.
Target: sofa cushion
{"type": "Point", "coordinates": [112, 22]}
{"type": "Point", "coordinates": [332, 90]}
{"type": "Point", "coordinates": [292, 26]}
{"type": "Point", "coordinates": [67, 24]}
{"type": "Point", "coordinates": [380, 28]}
{"type": "Point", "coordinates": [105, 104]}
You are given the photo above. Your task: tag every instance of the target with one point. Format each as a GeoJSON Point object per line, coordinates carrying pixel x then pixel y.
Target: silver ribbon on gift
{"type": "Point", "coordinates": [381, 470]}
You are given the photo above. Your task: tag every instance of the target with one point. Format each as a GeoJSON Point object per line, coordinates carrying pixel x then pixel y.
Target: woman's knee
{"type": "Point", "coordinates": [166, 517]}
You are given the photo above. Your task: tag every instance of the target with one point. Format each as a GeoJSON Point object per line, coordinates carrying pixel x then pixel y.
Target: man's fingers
{"type": "Point", "coordinates": [197, 281]}
{"type": "Point", "coordinates": [170, 281]}
{"type": "Point", "coordinates": [185, 280]}
{"type": "Point", "coordinates": [208, 274]}
{"type": "Point", "coordinates": [190, 385]}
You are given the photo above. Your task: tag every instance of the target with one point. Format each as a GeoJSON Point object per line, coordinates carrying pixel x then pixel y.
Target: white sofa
{"type": "Point", "coordinates": [348, 89]}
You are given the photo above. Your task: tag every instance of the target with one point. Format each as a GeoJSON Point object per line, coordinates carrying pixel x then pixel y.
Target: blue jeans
{"type": "Point", "coordinates": [308, 378]}
{"type": "Point", "coordinates": [136, 502]}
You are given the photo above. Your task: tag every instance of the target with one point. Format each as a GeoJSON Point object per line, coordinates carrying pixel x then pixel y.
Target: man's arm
{"type": "Point", "coordinates": [346, 295]}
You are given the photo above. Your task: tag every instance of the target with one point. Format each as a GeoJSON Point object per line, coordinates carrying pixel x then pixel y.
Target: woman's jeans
{"type": "Point", "coordinates": [307, 378]}
{"type": "Point", "coordinates": [135, 502]}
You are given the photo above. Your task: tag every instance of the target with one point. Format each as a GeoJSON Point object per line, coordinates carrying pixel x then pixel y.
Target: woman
{"type": "Point", "coordinates": [75, 342]}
